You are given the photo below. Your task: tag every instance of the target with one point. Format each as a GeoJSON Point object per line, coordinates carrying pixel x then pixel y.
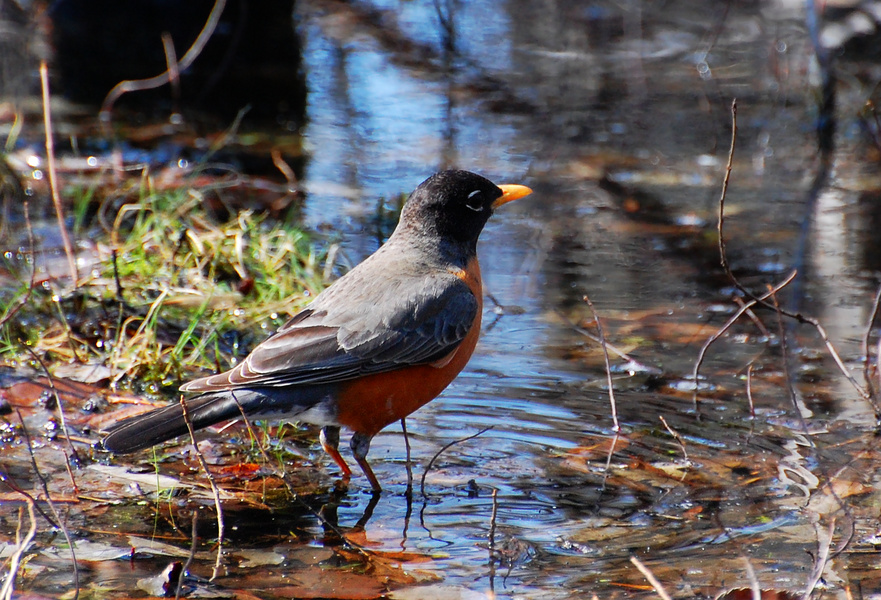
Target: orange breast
{"type": "Point", "coordinates": [368, 404]}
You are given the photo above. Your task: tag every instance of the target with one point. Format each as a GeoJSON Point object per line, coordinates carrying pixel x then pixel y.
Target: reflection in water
{"type": "Point", "coordinates": [600, 93]}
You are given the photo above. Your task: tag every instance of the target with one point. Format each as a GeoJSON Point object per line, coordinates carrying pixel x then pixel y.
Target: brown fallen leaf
{"type": "Point", "coordinates": [331, 584]}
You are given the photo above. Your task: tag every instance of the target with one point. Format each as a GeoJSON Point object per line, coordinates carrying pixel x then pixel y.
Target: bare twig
{"type": "Point", "coordinates": [723, 256]}
{"type": "Point", "coordinates": [787, 373]}
{"type": "Point", "coordinates": [835, 356]}
{"type": "Point", "coordinates": [749, 391]}
{"type": "Point", "coordinates": [651, 578]}
{"type": "Point", "coordinates": [282, 475]}
{"type": "Point", "coordinates": [675, 435]}
{"type": "Point", "coordinates": [826, 480]}
{"type": "Point", "coordinates": [752, 317]}
{"type": "Point", "coordinates": [492, 521]}
{"type": "Point", "coordinates": [731, 320]}
{"type": "Point", "coordinates": [614, 406]}
{"type": "Point", "coordinates": [53, 180]}
{"type": "Point", "coordinates": [45, 486]}
{"type": "Point", "coordinates": [492, 538]}
{"type": "Point", "coordinates": [214, 490]}
{"type": "Point", "coordinates": [251, 432]}
{"type": "Point", "coordinates": [444, 449]}
{"type": "Point", "coordinates": [822, 558]}
{"type": "Point", "coordinates": [798, 317]}
{"type": "Point", "coordinates": [173, 68]}
{"type": "Point", "coordinates": [609, 460]}
{"type": "Point", "coordinates": [753, 580]}
{"type": "Point", "coordinates": [867, 358]}
{"type": "Point", "coordinates": [193, 539]}
{"type": "Point", "coordinates": [285, 169]}
{"type": "Point", "coordinates": [409, 464]}
{"type": "Point", "coordinates": [878, 366]}
{"type": "Point", "coordinates": [4, 477]}
{"type": "Point", "coordinates": [58, 404]}
{"type": "Point", "coordinates": [124, 87]}
{"type": "Point", "coordinates": [6, 592]}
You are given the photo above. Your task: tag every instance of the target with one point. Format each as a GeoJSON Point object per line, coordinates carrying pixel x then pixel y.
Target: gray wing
{"type": "Point", "coordinates": [346, 333]}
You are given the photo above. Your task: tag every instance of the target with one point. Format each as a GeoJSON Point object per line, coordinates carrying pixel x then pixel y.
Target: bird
{"type": "Point", "coordinates": [380, 342]}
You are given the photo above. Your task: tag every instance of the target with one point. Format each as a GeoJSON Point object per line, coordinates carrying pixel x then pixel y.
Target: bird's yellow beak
{"type": "Point", "coordinates": [510, 193]}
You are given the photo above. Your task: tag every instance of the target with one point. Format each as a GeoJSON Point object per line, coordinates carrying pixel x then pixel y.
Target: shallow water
{"type": "Point", "coordinates": [641, 94]}
{"type": "Point", "coordinates": [556, 96]}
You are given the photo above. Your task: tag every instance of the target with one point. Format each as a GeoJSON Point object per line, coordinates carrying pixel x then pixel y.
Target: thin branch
{"type": "Point", "coordinates": [798, 317]}
{"type": "Point", "coordinates": [675, 435]}
{"type": "Point", "coordinates": [285, 169]}
{"type": "Point", "coordinates": [826, 479]}
{"type": "Point", "coordinates": [608, 466]}
{"type": "Point", "coordinates": [749, 391]}
{"type": "Point", "coordinates": [731, 320]}
{"type": "Point", "coordinates": [136, 85]}
{"type": "Point", "coordinates": [820, 561]}
{"type": "Point", "coordinates": [651, 578]}
{"type": "Point", "coordinates": [193, 539]}
{"type": "Point", "coordinates": [835, 357]}
{"type": "Point", "coordinates": [492, 538]}
{"type": "Point", "coordinates": [787, 374]}
{"type": "Point", "coordinates": [45, 486]}
{"type": "Point", "coordinates": [173, 68]}
{"type": "Point", "coordinates": [58, 404]}
{"type": "Point", "coordinates": [6, 592]}
{"type": "Point", "coordinates": [53, 180]}
{"type": "Point", "coordinates": [615, 426]}
{"type": "Point", "coordinates": [867, 359]}
{"type": "Point", "coordinates": [409, 463]}
{"type": "Point", "coordinates": [4, 477]}
{"type": "Point", "coordinates": [723, 256]}
{"type": "Point", "coordinates": [753, 580]}
{"type": "Point", "coordinates": [444, 449]}
{"type": "Point", "coordinates": [752, 317]}
{"type": "Point", "coordinates": [251, 432]}
{"type": "Point", "coordinates": [492, 520]}
{"type": "Point", "coordinates": [214, 490]}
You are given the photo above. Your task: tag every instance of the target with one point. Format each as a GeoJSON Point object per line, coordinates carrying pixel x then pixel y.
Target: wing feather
{"type": "Point", "coordinates": [376, 329]}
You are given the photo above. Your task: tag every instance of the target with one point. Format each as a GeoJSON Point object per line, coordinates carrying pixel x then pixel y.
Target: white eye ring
{"type": "Point", "coordinates": [478, 196]}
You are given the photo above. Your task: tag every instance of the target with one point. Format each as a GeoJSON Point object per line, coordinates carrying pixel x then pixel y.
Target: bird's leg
{"type": "Point", "coordinates": [330, 441]}
{"type": "Point", "coordinates": [360, 445]}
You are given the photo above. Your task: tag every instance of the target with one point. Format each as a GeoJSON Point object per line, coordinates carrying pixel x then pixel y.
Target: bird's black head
{"type": "Point", "coordinates": [455, 205]}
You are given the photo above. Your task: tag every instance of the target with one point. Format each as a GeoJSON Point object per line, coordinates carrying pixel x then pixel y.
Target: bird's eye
{"type": "Point", "coordinates": [475, 201]}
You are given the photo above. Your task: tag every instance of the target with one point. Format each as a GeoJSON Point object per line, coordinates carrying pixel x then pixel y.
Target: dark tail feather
{"type": "Point", "coordinates": [166, 423]}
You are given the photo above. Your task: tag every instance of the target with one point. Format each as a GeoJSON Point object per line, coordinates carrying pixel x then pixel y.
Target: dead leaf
{"type": "Point", "coordinates": [331, 584]}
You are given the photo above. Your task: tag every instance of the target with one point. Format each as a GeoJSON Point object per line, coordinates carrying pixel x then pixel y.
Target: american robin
{"type": "Point", "coordinates": [383, 340]}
